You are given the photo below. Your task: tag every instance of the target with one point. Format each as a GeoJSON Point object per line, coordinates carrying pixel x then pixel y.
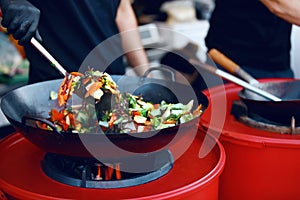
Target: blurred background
{"type": "Point", "coordinates": [163, 24]}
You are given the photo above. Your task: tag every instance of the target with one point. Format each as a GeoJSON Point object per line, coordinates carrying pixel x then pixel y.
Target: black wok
{"type": "Point", "coordinates": [276, 111]}
{"type": "Point", "coordinates": [280, 112]}
{"type": "Point", "coordinates": [20, 105]}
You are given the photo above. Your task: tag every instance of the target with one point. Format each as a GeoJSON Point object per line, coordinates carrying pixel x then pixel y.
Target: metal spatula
{"type": "Point", "coordinates": [102, 106]}
{"type": "Point", "coordinates": [43, 51]}
{"type": "Point", "coordinates": [231, 78]}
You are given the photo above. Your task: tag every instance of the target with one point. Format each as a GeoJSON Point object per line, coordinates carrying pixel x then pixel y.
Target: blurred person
{"type": "Point", "coordinates": [71, 29]}
{"type": "Point", "coordinates": [288, 10]}
{"type": "Point", "coordinates": [255, 34]}
{"type": "Point", "coordinates": [149, 11]}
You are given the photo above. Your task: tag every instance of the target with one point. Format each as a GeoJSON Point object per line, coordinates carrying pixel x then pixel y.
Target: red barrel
{"type": "Point", "coordinates": [191, 177]}
{"type": "Point", "coordinates": [259, 164]}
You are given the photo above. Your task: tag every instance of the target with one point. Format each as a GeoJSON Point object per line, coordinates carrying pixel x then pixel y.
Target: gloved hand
{"type": "Point", "coordinates": [21, 19]}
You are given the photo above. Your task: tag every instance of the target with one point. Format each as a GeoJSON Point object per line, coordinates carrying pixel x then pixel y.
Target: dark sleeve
{"type": "Point", "coordinates": [117, 3]}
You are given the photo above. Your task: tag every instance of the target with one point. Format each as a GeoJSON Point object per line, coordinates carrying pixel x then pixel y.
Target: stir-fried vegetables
{"type": "Point", "coordinates": [91, 84]}
{"type": "Point", "coordinates": [129, 114]}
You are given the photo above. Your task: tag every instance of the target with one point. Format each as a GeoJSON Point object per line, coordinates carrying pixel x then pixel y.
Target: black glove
{"type": "Point", "coordinates": [21, 19]}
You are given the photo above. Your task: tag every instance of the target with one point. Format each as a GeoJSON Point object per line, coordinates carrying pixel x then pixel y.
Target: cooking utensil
{"type": "Point", "coordinates": [42, 50]}
{"type": "Point", "coordinates": [33, 100]}
{"type": "Point", "coordinates": [285, 112]}
{"type": "Point", "coordinates": [230, 65]}
{"type": "Point", "coordinates": [29, 105]}
{"type": "Point", "coordinates": [106, 100]}
{"type": "Point", "coordinates": [233, 79]}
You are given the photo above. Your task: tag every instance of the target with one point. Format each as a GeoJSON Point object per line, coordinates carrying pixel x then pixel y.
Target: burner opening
{"type": "Point", "coordinates": [241, 113]}
{"type": "Point", "coordinates": [92, 173]}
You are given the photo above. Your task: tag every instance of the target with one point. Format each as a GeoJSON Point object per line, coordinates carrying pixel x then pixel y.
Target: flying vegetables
{"type": "Point", "coordinates": [127, 113]}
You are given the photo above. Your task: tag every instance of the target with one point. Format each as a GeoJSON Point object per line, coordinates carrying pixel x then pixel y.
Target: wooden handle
{"type": "Point", "coordinates": [234, 79]}
{"type": "Point", "coordinates": [223, 61]}
{"type": "Point", "coordinates": [230, 66]}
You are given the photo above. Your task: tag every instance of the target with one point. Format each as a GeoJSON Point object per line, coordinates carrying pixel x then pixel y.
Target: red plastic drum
{"type": "Point", "coordinates": [191, 177]}
{"type": "Point", "coordinates": [259, 164]}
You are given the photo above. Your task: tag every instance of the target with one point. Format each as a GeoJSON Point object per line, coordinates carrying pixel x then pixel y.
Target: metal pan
{"type": "Point", "coordinates": [20, 106]}
{"type": "Point", "coordinates": [280, 112]}
{"type": "Point", "coordinates": [288, 90]}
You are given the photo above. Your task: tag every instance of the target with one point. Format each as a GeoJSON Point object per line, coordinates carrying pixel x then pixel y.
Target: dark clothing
{"type": "Point", "coordinates": [248, 33]}
{"type": "Point", "coordinates": [70, 30]}
{"type": "Point", "coordinates": [265, 73]}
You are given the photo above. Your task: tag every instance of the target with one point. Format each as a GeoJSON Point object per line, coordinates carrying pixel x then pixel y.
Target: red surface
{"type": "Point", "coordinates": [21, 176]}
{"type": "Point", "coordinates": [259, 164]}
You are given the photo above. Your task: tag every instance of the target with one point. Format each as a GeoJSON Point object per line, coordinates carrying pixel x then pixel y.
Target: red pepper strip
{"type": "Point", "coordinates": [72, 119]}
{"type": "Point", "coordinates": [136, 113]}
{"type": "Point", "coordinates": [41, 125]}
{"type": "Point", "coordinates": [56, 115]}
{"type": "Point", "coordinates": [76, 74]}
{"type": "Point", "coordinates": [64, 91]}
{"type": "Point", "coordinates": [60, 118]}
{"type": "Point", "coordinates": [64, 125]}
{"type": "Point", "coordinates": [86, 80]}
{"type": "Point", "coordinates": [112, 119]}
{"type": "Point", "coordinates": [93, 88]}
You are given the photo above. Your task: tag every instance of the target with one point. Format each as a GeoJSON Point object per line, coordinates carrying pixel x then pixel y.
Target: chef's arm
{"type": "Point", "coordinates": [21, 19]}
{"type": "Point", "coordinates": [288, 10]}
{"type": "Point", "coordinates": [131, 41]}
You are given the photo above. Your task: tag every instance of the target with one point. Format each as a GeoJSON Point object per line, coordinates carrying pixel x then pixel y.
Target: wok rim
{"type": "Point", "coordinates": [271, 82]}
{"type": "Point", "coordinates": [203, 100]}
